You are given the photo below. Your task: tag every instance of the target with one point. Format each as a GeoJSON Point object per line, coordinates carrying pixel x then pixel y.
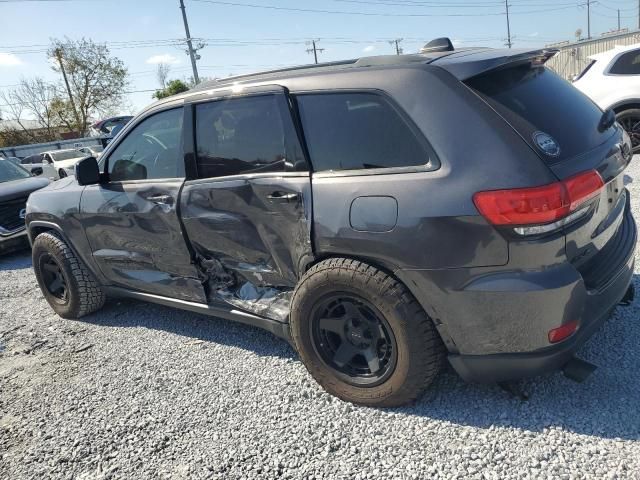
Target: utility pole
{"type": "Point", "coordinates": [618, 19]}
{"type": "Point", "coordinates": [192, 51]}
{"type": "Point", "coordinates": [396, 42]}
{"type": "Point", "coordinates": [314, 49]}
{"type": "Point", "coordinates": [506, 6]}
{"type": "Point", "coordinates": [58, 54]}
{"type": "Point", "coordinates": [588, 19]}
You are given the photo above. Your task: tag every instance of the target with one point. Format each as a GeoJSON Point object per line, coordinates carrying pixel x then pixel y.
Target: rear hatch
{"type": "Point", "coordinates": [571, 135]}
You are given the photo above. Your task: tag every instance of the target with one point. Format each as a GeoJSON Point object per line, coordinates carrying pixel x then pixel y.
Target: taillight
{"type": "Point", "coordinates": [538, 205]}
{"type": "Point", "coordinates": [565, 331]}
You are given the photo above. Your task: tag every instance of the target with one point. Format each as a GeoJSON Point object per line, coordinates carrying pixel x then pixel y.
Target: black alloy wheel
{"type": "Point", "coordinates": [354, 339]}
{"type": "Point", "coordinates": [630, 121]}
{"type": "Point", "coordinates": [54, 279]}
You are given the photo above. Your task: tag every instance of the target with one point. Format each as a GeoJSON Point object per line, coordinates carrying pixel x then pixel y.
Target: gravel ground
{"type": "Point", "coordinates": [142, 391]}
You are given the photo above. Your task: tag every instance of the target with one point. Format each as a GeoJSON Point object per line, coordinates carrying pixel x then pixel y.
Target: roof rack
{"type": "Point", "coordinates": [312, 66]}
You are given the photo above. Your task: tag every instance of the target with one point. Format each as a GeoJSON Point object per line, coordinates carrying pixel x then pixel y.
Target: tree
{"type": "Point", "coordinates": [173, 88]}
{"type": "Point", "coordinates": [94, 82]}
{"type": "Point", "coordinates": [162, 73]}
{"type": "Point", "coordinates": [29, 111]}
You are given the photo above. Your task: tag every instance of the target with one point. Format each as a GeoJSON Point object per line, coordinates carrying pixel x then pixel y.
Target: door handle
{"type": "Point", "coordinates": [282, 197]}
{"type": "Point", "coordinates": [161, 199]}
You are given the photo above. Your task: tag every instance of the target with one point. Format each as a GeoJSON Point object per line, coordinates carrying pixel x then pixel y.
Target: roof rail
{"type": "Point", "coordinates": [209, 84]}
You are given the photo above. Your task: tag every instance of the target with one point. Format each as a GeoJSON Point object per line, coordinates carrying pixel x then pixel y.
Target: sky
{"type": "Point", "coordinates": [242, 36]}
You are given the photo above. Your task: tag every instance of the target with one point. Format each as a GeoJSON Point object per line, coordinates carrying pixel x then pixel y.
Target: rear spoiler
{"type": "Point", "coordinates": [465, 65]}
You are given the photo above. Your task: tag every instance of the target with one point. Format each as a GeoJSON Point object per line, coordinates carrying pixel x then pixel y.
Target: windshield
{"type": "Point", "coordinates": [10, 172]}
{"type": "Point", "coordinates": [68, 155]}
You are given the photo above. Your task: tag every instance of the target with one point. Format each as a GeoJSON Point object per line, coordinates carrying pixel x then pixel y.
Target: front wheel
{"type": "Point", "coordinates": [630, 121]}
{"type": "Point", "coordinates": [362, 335]}
{"type": "Point", "coordinates": [68, 286]}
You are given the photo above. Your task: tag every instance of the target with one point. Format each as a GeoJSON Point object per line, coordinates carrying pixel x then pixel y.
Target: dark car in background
{"type": "Point", "coordinates": [15, 186]}
{"type": "Point", "coordinates": [105, 127]}
{"type": "Point", "coordinates": [382, 214]}
{"type": "Point", "coordinates": [36, 166]}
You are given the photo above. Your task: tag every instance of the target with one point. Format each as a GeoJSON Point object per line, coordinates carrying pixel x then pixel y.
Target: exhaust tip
{"type": "Point", "coordinates": [578, 370]}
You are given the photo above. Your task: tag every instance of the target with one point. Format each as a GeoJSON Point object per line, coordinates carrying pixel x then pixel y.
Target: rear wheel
{"type": "Point", "coordinates": [362, 335]}
{"type": "Point", "coordinates": [66, 283]}
{"type": "Point", "coordinates": [630, 121]}
{"type": "Point", "coordinates": [62, 173]}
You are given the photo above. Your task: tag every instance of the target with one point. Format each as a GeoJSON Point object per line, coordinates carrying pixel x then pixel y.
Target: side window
{"type": "Point", "coordinates": [245, 135]}
{"type": "Point", "coordinates": [351, 131]}
{"type": "Point", "coordinates": [152, 150]}
{"type": "Point", "coordinates": [627, 64]}
{"type": "Point", "coordinates": [46, 159]}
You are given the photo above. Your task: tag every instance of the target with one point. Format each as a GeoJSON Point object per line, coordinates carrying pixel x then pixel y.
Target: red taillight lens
{"type": "Point", "coordinates": [538, 205]}
{"type": "Point", "coordinates": [558, 334]}
{"type": "Point", "coordinates": [583, 187]}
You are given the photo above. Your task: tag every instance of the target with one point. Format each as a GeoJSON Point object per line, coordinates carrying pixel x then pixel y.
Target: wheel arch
{"type": "Point", "coordinates": [626, 105]}
{"type": "Point", "coordinates": [395, 272]}
{"type": "Point", "coordinates": [38, 227]}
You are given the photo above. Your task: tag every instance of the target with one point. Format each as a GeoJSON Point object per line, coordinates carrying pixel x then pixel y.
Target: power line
{"type": "Point", "coordinates": [338, 12]}
{"type": "Point", "coordinates": [125, 93]}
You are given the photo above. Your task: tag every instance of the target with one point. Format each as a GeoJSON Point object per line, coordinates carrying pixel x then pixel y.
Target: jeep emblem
{"type": "Point", "coordinates": [546, 143]}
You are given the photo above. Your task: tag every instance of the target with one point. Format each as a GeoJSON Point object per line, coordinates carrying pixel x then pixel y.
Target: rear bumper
{"type": "Point", "coordinates": [503, 367]}
{"type": "Point", "coordinates": [495, 324]}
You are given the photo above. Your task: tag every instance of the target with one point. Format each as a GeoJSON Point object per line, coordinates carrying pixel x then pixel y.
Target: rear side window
{"type": "Point", "coordinates": [245, 135]}
{"type": "Point", "coordinates": [353, 131]}
{"type": "Point", "coordinates": [534, 99]}
{"type": "Point", "coordinates": [627, 64]}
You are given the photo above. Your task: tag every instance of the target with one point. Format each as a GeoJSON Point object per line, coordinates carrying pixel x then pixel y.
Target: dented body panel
{"type": "Point", "coordinates": [136, 241]}
{"type": "Point", "coordinates": [251, 236]}
{"type": "Point", "coordinates": [261, 239]}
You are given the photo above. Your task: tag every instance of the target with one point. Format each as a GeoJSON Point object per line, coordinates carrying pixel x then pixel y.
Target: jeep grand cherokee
{"type": "Point", "coordinates": [382, 214]}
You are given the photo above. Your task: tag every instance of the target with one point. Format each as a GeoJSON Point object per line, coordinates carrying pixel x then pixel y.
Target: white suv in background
{"type": "Point", "coordinates": [63, 161]}
{"type": "Point", "coordinates": [612, 80]}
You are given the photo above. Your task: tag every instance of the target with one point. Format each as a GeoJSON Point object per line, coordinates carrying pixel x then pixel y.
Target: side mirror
{"type": "Point", "coordinates": [87, 171]}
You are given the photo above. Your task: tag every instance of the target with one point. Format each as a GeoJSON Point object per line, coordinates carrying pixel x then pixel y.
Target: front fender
{"type": "Point", "coordinates": [56, 208]}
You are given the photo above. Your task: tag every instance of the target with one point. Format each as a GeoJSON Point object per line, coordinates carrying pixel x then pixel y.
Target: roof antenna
{"type": "Point", "coordinates": [442, 44]}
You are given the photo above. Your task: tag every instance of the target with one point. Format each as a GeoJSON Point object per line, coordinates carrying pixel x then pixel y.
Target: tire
{"type": "Point", "coordinates": [62, 173]}
{"type": "Point", "coordinates": [405, 328]}
{"type": "Point", "coordinates": [68, 286]}
{"type": "Point", "coordinates": [630, 121]}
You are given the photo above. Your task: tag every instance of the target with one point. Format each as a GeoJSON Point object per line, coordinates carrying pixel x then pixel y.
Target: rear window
{"type": "Point", "coordinates": [534, 99]}
{"type": "Point", "coordinates": [353, 131]}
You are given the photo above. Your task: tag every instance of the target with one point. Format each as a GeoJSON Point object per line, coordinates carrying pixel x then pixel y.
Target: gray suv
{"type": "Point", "coordinates": [382, 214]}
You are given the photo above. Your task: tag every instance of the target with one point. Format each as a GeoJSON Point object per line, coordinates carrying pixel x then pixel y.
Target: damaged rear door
{"type": "Point", "coordinates": [246, 206]}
